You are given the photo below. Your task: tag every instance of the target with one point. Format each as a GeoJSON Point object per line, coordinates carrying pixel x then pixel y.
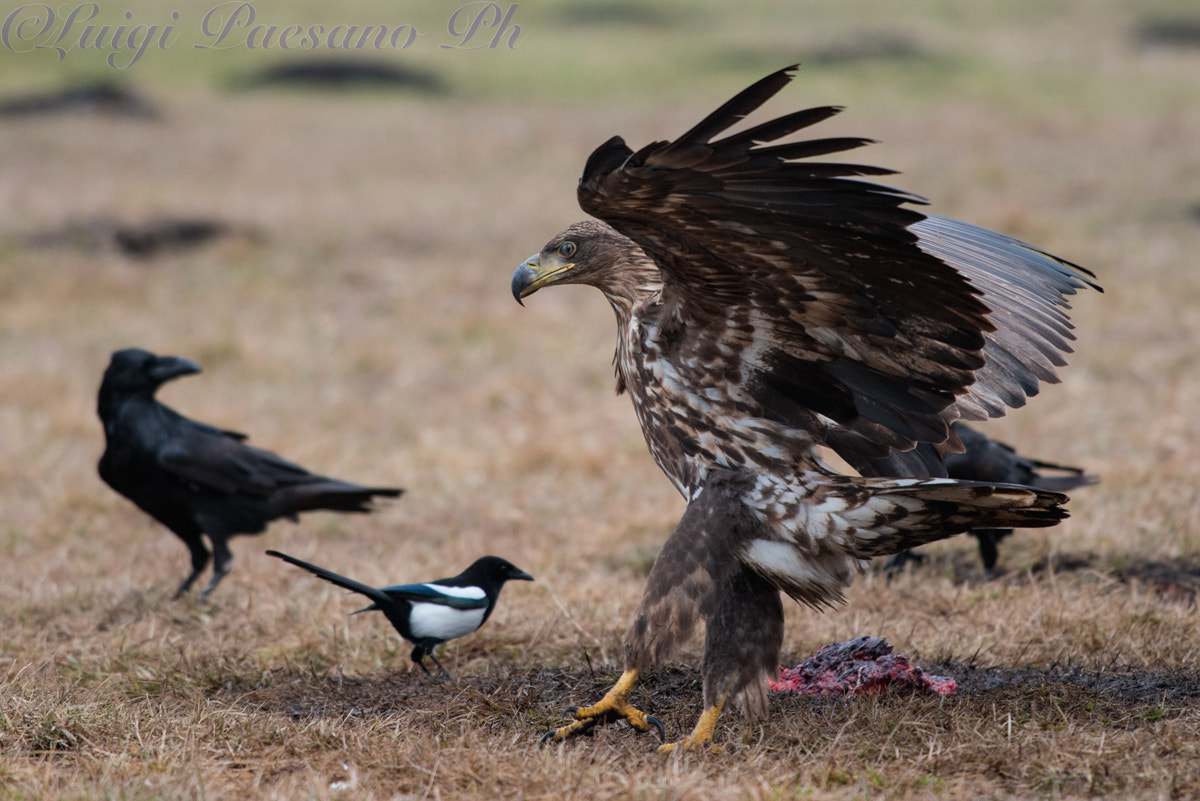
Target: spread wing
{"type": "Point", "coordinates": [866, 318]}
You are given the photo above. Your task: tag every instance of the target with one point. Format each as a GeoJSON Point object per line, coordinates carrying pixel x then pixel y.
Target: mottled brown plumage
{"type": "Point", "coordinates": [768, 305]}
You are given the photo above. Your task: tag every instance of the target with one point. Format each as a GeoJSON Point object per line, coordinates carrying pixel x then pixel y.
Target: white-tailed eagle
{"type": "Point", "coordinates": [768, 305]}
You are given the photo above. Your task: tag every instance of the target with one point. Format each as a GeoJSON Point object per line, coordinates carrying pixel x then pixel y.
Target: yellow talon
{"type": "Point", "coordinates": [701, 736]}
{"type": "Point", "coordinates": [614, 705]}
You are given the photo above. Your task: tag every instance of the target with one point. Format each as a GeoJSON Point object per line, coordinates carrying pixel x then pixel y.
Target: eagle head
{"type": "Point", "coordinates": [587, 252]}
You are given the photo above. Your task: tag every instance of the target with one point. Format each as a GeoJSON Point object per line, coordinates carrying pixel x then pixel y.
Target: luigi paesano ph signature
{"type": "Point", "coordinates": [38, 27]}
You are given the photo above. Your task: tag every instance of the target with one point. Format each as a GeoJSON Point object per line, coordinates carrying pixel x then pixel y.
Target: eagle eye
{"type": "Point", "coordinates": [566, 250]}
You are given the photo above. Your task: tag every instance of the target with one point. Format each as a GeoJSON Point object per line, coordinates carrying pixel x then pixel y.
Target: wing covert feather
{"type": "Point", "coordinates": [917, 319]}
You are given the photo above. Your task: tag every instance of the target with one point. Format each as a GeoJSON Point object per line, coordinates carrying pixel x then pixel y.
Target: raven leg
{"type": "Point", "coordinates": [222, 562]}
{"type": "Point", "coordinates": [614, 705]}
{"type": "Point", "coordinates": [989, 538]}
{"type": "Point", "coordinates": [898, 561]}
{"type": "Point", "coordinates": [200, 558]}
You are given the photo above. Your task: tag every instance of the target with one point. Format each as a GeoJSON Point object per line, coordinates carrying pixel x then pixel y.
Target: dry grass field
{"type": "Point", "coordinates": [358, 320]}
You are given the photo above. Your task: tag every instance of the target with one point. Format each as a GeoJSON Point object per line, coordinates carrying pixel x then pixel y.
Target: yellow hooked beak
{"type": "Point", "coordinates": [533, 275]}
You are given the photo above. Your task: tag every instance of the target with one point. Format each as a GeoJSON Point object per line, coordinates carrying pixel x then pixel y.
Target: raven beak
{"type": "Point", "coordinates": [167, 367]}
{"type": "Point", "coordinates": [533, 275]}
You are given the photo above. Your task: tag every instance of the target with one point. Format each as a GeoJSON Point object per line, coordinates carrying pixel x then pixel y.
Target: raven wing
{"type": "Point", "coordinates": [219, 461]}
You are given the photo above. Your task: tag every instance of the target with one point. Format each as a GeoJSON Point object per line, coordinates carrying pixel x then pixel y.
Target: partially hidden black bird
{"type": "Point", "coordinates": [432, 613]}
{"type": "Point", "coordinates": [199, 480]}
{"type": "Point", "coordinates": [987, 459]}
{"type": "Point", "coordinates": [769, 305]}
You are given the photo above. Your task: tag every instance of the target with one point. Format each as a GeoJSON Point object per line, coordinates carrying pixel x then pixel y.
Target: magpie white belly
{"type": "Point", "coordinates": [442, 622]}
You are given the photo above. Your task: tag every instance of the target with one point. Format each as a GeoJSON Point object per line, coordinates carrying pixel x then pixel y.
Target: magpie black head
{"type": "Point", "coordinates": [488, 573]}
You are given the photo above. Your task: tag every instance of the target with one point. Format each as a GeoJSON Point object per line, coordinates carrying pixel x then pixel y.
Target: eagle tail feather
{"type": "Point", "coordinates": [911, 513]}
{"type": "Point", "coordinates": [813, 552]}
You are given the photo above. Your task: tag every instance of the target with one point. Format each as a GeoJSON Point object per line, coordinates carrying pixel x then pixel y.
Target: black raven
{"type": "Point", "coordinates": [197, 479]}
{"type": "Point", "coordinates": [987, 459]}
{"type": "Point", "coordinates": [429, 614]}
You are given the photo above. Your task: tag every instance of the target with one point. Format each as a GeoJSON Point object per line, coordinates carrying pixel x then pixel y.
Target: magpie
{"type": "Point", "coordinates": [197, 479]}
{"type": "Point", "coordinates": [429, 614]}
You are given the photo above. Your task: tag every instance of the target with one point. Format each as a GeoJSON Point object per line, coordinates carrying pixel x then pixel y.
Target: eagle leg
{"type": "Point", "coordinates": [613, 706]}
{"type": "Point", "coordinates": [701, 736]}
{"type": "Point", "coordinates": [742, 639]}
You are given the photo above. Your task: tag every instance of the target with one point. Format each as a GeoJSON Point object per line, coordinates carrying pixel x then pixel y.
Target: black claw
{"type": "Point", "coordinates": [586, 731]}
{"type": "Point", "coordinates": [571, 710]}
{"type": "Point", "coordinates": [657, 724]}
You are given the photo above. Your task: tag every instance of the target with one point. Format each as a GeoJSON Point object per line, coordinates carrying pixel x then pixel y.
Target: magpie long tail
{"type": "Point", "coordinates": [376, 595]}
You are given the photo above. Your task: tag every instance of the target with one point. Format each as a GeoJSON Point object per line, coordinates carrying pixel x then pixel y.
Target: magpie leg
{"type": "Point", "coordinates": [613, 706]}
{"type": "Point", "coordinates": [445, 672]}
{"type": "Point", "coordinates": [419, 653]}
